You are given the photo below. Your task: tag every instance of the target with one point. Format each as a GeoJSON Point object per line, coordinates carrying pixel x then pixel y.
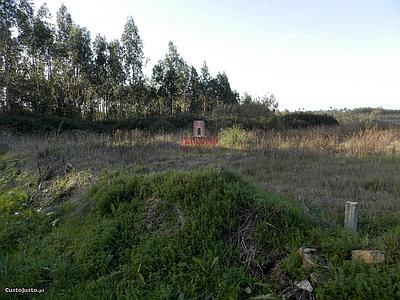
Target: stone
{"type": "Point", "coordinates": [305, 285]}
{"type": "Point", "coordinates": [68, 168]}
{"type": "Point", "coordinates": [55, 222]}
{"type": "Point", "coordinates": [307, 255]}
{"type": "Point", "coordinates": [247, 290]}
{"type": "Point", "coordinates": [368, 256]}
{"type": "Point", "coordinates": [298, 293]}
{"type": "Point", "coordinates": [311, 259]}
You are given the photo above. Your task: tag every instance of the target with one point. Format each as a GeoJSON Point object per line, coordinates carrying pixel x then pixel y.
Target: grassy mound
{"type": "Point", "coordinates": [175, 235]}
{"type": "Point", "coordinates": [205, 234]}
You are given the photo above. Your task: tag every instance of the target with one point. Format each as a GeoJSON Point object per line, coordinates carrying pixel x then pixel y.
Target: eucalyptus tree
{"type": "Point", "coordinates": [36, 41]}
{"type": "Point", "coordinates": [73, 69]}
{"type": "Point", "coordinates": [133, 57]}
{"type": "Point", "coordinates": [100, 76]}
{"type": "Point", "coordinates": [132, 47]}
{"type": "Point", "coordinates": [193, 91]}
{"type": "Point", "coordinates": [56, 69]}
{"type": "Point", "coordinates": [222, 91]}
{"type": "Point", "coordinates": [64, 25]}
{"type": "Point", "coordinates": [205, 89]}
{"type": "Point", "coordinates": [62, 67]}
{"type": "Point", "coordinates": [115, 80]}
{"type": "Point", "coordinates": [79, 82]}
{"type": "Point", "coordinates": [9, 52]}
{"type": "Point", "coordinates": [45, 33]}
{"type": "Point", "coordinates": [170, 77]}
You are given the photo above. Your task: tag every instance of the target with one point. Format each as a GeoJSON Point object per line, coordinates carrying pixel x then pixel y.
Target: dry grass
{"type": "Point", "coordinates": [352, 141]}
{"type": "Point", "coordinates": [321, 168]}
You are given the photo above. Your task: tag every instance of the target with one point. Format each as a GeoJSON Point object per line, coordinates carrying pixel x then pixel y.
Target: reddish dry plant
{"type": "Point", "coordinates": [198, 141]}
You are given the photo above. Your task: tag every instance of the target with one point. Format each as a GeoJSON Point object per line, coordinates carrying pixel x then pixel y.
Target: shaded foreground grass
{"type": "Point", "coordinates": [206, 234]}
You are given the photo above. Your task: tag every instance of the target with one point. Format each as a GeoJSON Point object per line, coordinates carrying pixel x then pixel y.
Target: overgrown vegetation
{"type": "Point", "coordinates": [150, 231]}
{"type": "Point", "coordinates": [154, 236]}
{"type": "Point", "coordinates": [203, 234]}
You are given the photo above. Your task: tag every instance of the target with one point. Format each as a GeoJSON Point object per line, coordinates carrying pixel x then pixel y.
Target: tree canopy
{"type": "Point", "coordinates": [57, 69]}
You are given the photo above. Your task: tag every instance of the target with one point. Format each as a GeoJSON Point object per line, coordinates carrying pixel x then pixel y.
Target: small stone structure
{"type": "Point", "coordinates": [199, 128]}
{"type": "Point", "coordinates": [199, 138]}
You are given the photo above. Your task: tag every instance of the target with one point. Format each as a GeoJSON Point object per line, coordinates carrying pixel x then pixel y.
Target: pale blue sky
{"type": "Point", "coordinates": [310, 54]}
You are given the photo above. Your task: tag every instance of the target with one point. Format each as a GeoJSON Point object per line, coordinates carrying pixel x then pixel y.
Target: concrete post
{"type": "Point", "coordinates": [351, 215]}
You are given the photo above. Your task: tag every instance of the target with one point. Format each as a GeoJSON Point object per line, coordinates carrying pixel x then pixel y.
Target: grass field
{"type": "Point", "coordinates": [314, 171]}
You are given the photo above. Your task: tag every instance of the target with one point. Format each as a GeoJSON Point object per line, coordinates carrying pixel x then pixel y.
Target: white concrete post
{"type": "Point", "coordinates": [351, 215]}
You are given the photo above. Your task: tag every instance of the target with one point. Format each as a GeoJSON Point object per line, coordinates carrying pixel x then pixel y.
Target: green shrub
{"type": "Point", "coordinates": [233, 137]}
{"type": "Point", "coordinates": [355, 280]}
{"type": "Point", "coordinates": [19, 227]}
{"type": "Point", "coordinates": [9, 171]}
{"type": "Point", "coordinates": [389, 242]}
{"type": "Point", "coordinates": [305, 119]}
{"type": "Point", "coordinates": [336, 244]}
{"type": "Point", "coordinates": [116, 190]}
{"type": "Point", "coordinates": [13, 201]}
{"type": "Point", "coordinates": [291, 265]}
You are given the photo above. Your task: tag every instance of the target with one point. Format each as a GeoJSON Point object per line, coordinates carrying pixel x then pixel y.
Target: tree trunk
{"type": "Point", "coordinates": [7, 73]}
{"type": "Point", "coordinates": [171, 100]}
{"type": "Point", "coordinates": [37, 85]}
{"type": "Point", "coordinates": [8, 99]}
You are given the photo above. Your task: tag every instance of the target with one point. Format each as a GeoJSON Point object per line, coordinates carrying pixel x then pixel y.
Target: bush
{"type": "Point", "coordinates": [252, 115]}
{"type": "Point", "coordinates": [13, 200]}
{"type": "Point", "coordinates": [110, 195]}
{"type": "Point", "coordinates": [25, 122]}
{"type": "Point", "coordinates": [304, 119]}
{"type": "Point", "coordinates": [233, 137]}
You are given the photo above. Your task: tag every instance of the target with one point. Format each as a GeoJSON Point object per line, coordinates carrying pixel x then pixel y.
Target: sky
{"type": "Point", "coordinates": [311, 54]}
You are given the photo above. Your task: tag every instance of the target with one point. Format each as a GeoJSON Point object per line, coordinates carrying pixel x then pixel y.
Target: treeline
{"type": "Point", "coordinates": [57, 69]}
